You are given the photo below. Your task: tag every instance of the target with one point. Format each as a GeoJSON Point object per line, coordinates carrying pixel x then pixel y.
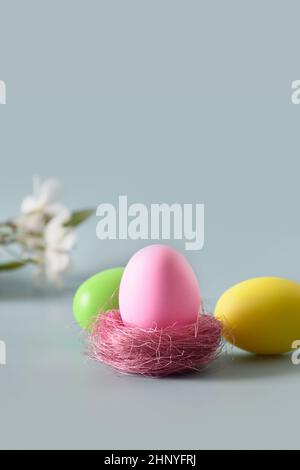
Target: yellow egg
{"type": "Point", "coordinates": [261, 315]}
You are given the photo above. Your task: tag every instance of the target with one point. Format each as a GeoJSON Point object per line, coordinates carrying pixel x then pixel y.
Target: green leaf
{"type": "Point", "coordinates": [12, 265]}
{"type": "Point", "coordinates": [78, 217]}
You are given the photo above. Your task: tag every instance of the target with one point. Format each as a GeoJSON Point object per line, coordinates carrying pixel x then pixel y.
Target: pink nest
{"type": "Point", "coordinates": [155, 352]}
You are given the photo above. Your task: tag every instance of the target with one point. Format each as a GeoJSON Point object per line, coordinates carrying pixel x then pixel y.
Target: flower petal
{"type": "Point", "coordinates": [57, 236]}
{"type": "Point", "coordinates": [54, 231]}
{"type": "Point", "coordinates": [68, 241]}
{"type": "Point", "coordinates": [32, 222]}
{"type": "Point", "coordinates": [50, 191]}
{"type": "Point", "coordinates": [29, 204]}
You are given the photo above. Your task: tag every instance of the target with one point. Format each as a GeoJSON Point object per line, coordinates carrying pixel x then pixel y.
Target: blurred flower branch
{"type": "Point", "coordinates": [43, 233]}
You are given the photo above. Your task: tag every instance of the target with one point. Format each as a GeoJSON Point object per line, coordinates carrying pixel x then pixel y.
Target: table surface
{"type": "Point", "coordinates": [53, 396]}
{"type": "Point", "coordinates": [165, 102]}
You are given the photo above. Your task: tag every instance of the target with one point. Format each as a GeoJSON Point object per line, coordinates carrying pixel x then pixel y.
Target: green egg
{"type": "Point", "coordinates": [97, 294]}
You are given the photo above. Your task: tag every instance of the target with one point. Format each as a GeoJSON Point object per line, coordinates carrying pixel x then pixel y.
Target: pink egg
{"type": "Point", "coordinates": [158, 289]}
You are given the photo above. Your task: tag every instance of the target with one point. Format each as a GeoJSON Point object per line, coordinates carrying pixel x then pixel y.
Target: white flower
{"type": "Point", "coordinates": [39, 207]}
{"type": "Point", "coordinates": [45, 198]}
{"type": "Point", "coordinates": [42, 231]}
{"type": "Point", "coordinates": [59, 241]}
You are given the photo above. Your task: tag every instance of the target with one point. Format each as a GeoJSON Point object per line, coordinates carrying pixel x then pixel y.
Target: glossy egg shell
{"type": "Point", "coordinates": [97, 294]}
{"type": "Point", "coordinates": [261, 315]}
{"type": "Point", "coordinates": [159, 289]}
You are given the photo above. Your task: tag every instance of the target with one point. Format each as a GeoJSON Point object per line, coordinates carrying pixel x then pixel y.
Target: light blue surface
{"type": "Point", "coordinates": [53, 397]}
{"type": "Point", "coordinates": [164, 101]}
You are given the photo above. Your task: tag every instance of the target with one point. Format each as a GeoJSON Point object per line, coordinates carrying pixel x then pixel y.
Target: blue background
{"type": "Point", "coordinates": [164, 101]}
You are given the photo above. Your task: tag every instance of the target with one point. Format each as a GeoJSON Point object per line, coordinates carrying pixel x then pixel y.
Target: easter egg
{"type": "Point", "coordinates": [97, 294]}
{"type": "Point", "coordinates": [261, 315]}
{"type": "Point", "coordinates": [158, 289]}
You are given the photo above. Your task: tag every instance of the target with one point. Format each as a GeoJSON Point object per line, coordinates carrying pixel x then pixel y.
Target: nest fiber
{"type": "Point", "coordinates": [154, 352]}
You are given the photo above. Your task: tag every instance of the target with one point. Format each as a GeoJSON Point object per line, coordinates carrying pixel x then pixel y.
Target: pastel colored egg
{"type": "Point", "coordinates": [97, 294]}
{"type": "Point", "coordinates": [159, 289]}
{"type": "Point", "coordinates": [261, 315]}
